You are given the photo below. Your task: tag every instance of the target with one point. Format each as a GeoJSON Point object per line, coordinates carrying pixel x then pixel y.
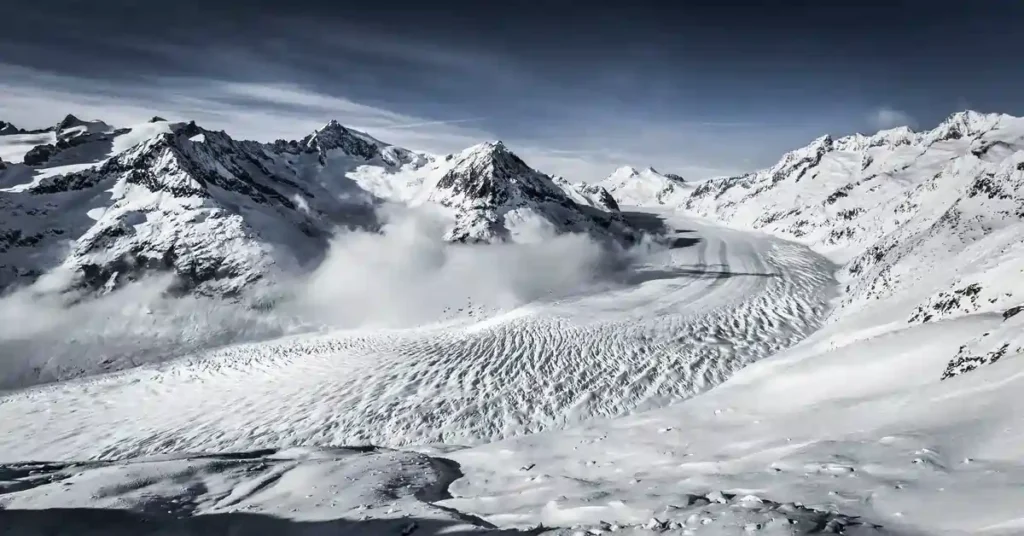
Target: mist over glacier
{"type": "Point", "coordinates": [402, 276]}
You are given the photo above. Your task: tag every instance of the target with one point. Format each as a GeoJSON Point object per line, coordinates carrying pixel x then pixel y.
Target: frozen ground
{"type": "Point", "coordinates": [678, 324]}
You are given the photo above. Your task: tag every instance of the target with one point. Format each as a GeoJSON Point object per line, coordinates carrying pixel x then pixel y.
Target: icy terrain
{"type": "Point", "coordinates": [677, 324]}
{"type": "Point", "coordinates": [712, 381]}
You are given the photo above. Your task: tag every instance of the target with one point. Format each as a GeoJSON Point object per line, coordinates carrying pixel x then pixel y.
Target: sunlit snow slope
{"type": "Point", "coordinates": [849, 432]}
{"type": "Point", "coordinates": [677, 325]}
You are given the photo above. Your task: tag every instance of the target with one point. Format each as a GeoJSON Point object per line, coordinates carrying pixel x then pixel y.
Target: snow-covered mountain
{"type": "Point", "coordinates": [219, 213]}
{"type": "Point", "coordinates": [646, 187]}
{"type": "Point", "coordinates": [588, 194]}
{"type": "Point", "coordinates": [494, 197]}
{"type": "Point", "coordinates": [93, 206]}
{"type": "Point", "coordinates": [928, 221]}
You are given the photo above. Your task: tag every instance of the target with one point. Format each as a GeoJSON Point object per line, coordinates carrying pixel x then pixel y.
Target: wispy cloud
{"type": "Point", "coordinates": [886, 117]}
{"type": "Point", "coordinates": [265, 111]}
{"type": "Point", "coordinates": [440, 122]}
{"type": "Point", "coordinates": [245, 110]}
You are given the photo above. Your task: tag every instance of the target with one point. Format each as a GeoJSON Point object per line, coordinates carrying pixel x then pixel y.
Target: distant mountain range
{"type": "Point", "coordinates": [86, 206]}
{"type": "Point", "coordinates": [931, 222]}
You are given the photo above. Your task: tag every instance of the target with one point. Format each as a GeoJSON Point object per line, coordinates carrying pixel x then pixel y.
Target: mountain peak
{"type": "Point", "coordinates": [333, 124]}
{"type": "Point", "coordinates": [962, 124]}
{"type": "Point", "coordinates": [627, 172]}
{"type": "Point", "coordinates": [496, 196]}
{"type": "Point", "coordinates": [488, 147]}
{"type": "Point", "coordinates": [966, 116]}
{"type": "Point", "coordinates": [822, 140]}
{"type": "Point", "coordinates": [8, 128]}
{"type": "Point", "coordinates": [971, 120]}
{"type": "Point", "coordinates": [334, 135]}
{"type": "Point", "coordinates": [68, 122]}
{"type": "Point", "coordinates": [493, 155]}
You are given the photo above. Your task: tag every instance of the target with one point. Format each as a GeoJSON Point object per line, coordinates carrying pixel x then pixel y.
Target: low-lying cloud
{"type": "Point", "coordinates": [886, 117]}
{"type": "Point", "coordinates": [409, 276]}
{"type": "Point", "coordinates": [405, 277]}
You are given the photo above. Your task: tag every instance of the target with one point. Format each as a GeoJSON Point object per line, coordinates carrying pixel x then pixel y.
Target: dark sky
{"type": "Point", "coordinates": [699, 88]}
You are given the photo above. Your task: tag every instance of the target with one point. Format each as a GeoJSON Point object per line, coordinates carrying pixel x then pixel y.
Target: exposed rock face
{"type": "Point", "coordinates": [335, 138]}
{"type": "Point", "coordinates": [40, 154]}
{"type": "Point", "coordinates": [588, 194]}
{"type": "Point", "coordinates": [217, 213]}
{"type": "Point", "coordinates": [598, 196]}
{"type": "Point", "coordinates": [496, 197]}
{"type": "Point", "coordinates": [7, 128]}
{"type": "Point", "coordinates": [223, 215]}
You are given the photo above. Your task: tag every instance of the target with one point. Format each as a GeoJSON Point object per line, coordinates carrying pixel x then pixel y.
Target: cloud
{"type": "Point", "coordinates": [578, 146]}
{"type": "Point", "coordinates": [886, 117]}
{"type": "Point", "coordinates": [593, 165]}
{"type": "Point", "coordinates": [34, 98]}
{"type": "Point", "coordinates": [410, 276]}
{"type": "Point", "coordinates": [267, 111]}
{"type": "Point", "coordinates": [442, 122]}
{"type": "Point", "coordinates": [407, 276]}
{"type": "Point", "coordinates": [42, 339]}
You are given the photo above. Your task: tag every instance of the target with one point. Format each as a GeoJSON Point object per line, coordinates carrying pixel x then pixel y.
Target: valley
{"type": "Point", "coordinates": [464, 344]}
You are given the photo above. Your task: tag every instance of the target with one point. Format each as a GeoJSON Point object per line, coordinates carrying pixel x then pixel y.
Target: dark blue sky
{"type": "Point", "coordinates": [698, 88]}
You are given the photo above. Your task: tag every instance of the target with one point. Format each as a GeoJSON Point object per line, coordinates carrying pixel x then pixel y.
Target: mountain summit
{"type": "Point", "coordinates": [496, 196]}
{"type": "Point", "coordinates": [218, 213]}
{"type": "Point", "coordinates": [8, 128]}
{"type": "Point", "coordinates": [222, 215]}
{"type": "Point", "coordinates": [334, 141]}
{"type": "Point", "coordinates": [631, 186]}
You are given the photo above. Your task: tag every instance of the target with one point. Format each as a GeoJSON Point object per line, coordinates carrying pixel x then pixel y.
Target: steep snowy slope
{"type": "Point", "coordinates": [110, 204]}
{"type": "Point", "coordinates": [647, 187]}
{"type": "Point", "coordinates": [494, 196]}
{"type": "Point", "coordinates": [222, 214]}
{"type": "Point", "coordinates": [588, 194]}
{"type": "Point", "coordinates": [352, 164]}
{"type": "Point", "coordinates": [929, 222]}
